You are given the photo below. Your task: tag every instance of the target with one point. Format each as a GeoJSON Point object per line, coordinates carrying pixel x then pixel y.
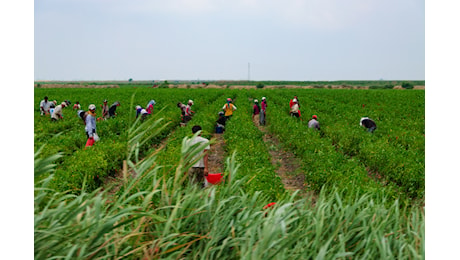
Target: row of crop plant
{"type": "Point", "coordinates": [153, 219]}
{"type": "Point", "coordinates": [105, 158]}
{"type": "Point", "coordinates": [396, 151]}
{"type": "Point", "coordinates": [242, 136]}
{"type": "Point", "coordinates": [348, 146]}
{"type": "Point", "coordinates": [322, 165]}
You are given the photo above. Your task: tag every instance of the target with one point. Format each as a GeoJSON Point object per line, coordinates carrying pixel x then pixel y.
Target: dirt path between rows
{"type": "Point", "coordinates": [288, 165]}
{"type": "Point", "coordinates": [216, 158]}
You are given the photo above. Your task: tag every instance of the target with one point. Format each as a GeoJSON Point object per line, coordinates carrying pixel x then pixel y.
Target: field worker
{"type": "Point", "coordinates": [263, 107]}
{"type": "Point", "coordinates": [90, 126]}
{"type": "Point", "coordinates": [105, 109]}
{"type": "Point", "coordinates": [52, 107]}
{"type": "Point", "coordinates": [313, 123]}
{"type": "Point", "coordinates": [182, 108]}
{"type": "Point", "coordinates": [150, 106]}
{"type": "Point", "coordinates": [295, 111]}
{"type": "Point", "coordinates": [368, 123]}
{"type": "Point", "coordinates": [45, 106]}
{"type": "Point", "coordinates": [82, 114]}
{"type": "Point", "coordinates": [291, 102]}
{"type": "Point", "coordinates": [138, 110]}
{"type": "Point", "coordinates": [76, 106]}
{"type": "Point", "coordinates": [229, 108]}
{"type": "Point", "coordinates": [220, 123]}
{"type": "Point", "coordinates": [199, 170]}
{"type": "Point", "coordinates": [188, 112]}
{"type": "Point", "coordinates": [57, 113]}
{"type": "Point", "coordinates": [144, 114]}
{"type": "Point", "coordinates": [256, 112]}
{"type": "Point", "coordinates": [113, 109]}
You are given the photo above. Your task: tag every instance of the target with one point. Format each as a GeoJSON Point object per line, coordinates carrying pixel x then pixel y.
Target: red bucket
{"type": "Point", "coordinates": [214, 178]}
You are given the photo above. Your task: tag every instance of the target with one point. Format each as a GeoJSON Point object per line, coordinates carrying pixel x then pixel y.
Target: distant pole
{"type": "Point", "coordinates": [249, 71]}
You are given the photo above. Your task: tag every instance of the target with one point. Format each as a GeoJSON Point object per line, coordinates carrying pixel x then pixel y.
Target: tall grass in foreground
{"type": "Point", "coordinates": [153, 218]}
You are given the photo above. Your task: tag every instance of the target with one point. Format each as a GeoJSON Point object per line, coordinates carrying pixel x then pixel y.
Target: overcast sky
{"type": "Point", "coordinates": [237, 40]}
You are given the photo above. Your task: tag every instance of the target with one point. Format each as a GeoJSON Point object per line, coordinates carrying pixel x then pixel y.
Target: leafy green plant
{"type": "Point", "coordinates": [155, 217]}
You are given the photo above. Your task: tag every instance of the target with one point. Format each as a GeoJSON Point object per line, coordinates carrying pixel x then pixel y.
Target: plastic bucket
{"type": "Point", "coordinates": [214, 178]}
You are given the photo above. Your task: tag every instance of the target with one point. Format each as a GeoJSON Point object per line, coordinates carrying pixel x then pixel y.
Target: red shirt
{"type": "Point", "coordinates": [256, 110]}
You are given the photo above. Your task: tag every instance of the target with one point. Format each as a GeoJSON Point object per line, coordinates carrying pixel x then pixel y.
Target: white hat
{"type": "Point", "coordinates": [362, 119]}
{"type": "Point", "coordinates": [137, 107]}
{"type": "Point", "coordinates": [190, 101]}
{"type": "Point", "coordinates": [295, 100]}
{"type": "Point", "coordinates": [92, 107]}
{"type": "Point", "coordinates": [143, 111]}
{"type": "Point", "coordinates": [63, 104]}
{"type": "Point", "coordinates": [263, 98]}
{"type": "Point", "coordinates": [256, 101]}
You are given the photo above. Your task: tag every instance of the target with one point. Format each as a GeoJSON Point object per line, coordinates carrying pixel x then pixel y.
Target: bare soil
{"type": "Point", "coordinates": [216, 163]}
{"type": "Point", "coordinates": [288, 165]}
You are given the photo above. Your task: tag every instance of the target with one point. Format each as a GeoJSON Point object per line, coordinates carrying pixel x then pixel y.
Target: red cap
{"type": "Point", "coordinates": [314, 116]}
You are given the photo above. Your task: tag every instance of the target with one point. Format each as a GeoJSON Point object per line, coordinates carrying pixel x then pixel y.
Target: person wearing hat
{"type": "Point", "coordinates": [291, 102]}
{"type": "Point", "coordinates": [150, 106]}
{"type": "Point", "coordinates": [143, 114]}
{"type": "Point", "coordinates": [57, 113]}
{"type": "Point", "coordinates": [188, 111]}
{"type": "Point", "coordinates": [45, 106]}
{"type": "Point", "coordinates": [138, 110]}
{"type": "Point", "coordinates": [263, 107]}
{"type": "Point", "coordinates": [313, 123]}
{"type": "Point", "coordinates": [228, 108]}
{"type": "Point", "coordinates": [295, 110]}
{"type": "Point", "coordinates": [256, 112]}
{"type": "Point", "coordinates": [220, 123]}
{"type": "Point", "coordinates": [112, 109]}
{"type": "Point", "coordinates": [105, 109]}
{"type": "Point", "coordinates": [368, 123]}
{"type": "Point", "coordinates": [90, 125]}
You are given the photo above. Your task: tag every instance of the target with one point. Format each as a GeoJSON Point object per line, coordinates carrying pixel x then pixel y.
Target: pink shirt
{"type": "Point", "coordinates": [256, 110]}
{"type": "Point", "coordinates": [149, 109]}
{"type": "Point", "coordinates": [264, 106]}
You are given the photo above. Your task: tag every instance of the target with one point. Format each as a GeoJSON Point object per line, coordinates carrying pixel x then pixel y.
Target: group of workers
{"type": "Point", "coordinates": [199, 171]}
{"type": "Point", "coordinates": [186, 112]}
{"type": "Point", "coordinates": [144, 112]}
{"type": "Point", "coordinates": [259, 111]}
{"type": "Point", "coordinates": [89, 117]}
{"type": "Point", "coordinates": [294, 106]}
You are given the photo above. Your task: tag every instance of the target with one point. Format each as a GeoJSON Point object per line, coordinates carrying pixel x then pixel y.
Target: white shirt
{"type": "Point", "coordinates": [46, 105]}
{"type": "Point", "coordinates": [57, 112]}
{"type": "Point", "coordinates": [200, 139]}
{"type": "Point", "coordinates": [295, 108]}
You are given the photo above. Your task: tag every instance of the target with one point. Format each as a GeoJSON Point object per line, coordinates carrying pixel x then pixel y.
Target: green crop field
{"type": "Point", "coordinates": [366, 191]}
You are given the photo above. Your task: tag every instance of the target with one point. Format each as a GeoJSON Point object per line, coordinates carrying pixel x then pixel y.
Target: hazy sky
{"type": "Point", "coordinates": [216, 39]}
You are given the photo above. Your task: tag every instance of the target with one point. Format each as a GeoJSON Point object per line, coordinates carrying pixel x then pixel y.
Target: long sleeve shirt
{"type": "Point", "coordinates": [90, 127]}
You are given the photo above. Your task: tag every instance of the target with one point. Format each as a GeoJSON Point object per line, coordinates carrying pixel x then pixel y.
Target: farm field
{"type": "Point", "coordinates": [365, 192]}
